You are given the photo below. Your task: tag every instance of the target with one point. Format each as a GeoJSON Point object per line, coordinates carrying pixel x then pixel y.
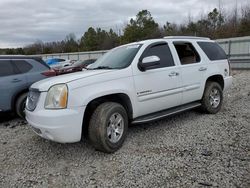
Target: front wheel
{"type": "Point", "coordinates": [212, 98]}
{"type": "Point", "coordinates": [108, 127]}
{"type": "Point", "coordinates": [20, 105]}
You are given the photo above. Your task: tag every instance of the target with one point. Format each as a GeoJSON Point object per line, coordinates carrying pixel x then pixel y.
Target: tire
{"type": "Point", "coordinates": [101, 130]}
{"type": "Point", "coordinates": [20, 105]}
{"type": "Point", "coordinates": [211, 101]}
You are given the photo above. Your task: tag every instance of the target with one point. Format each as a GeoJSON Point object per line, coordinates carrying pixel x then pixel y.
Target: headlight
{"type": "Point", "coordinates": [57, 97]}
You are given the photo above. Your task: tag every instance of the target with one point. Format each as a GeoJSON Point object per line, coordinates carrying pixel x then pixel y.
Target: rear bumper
{"type": "Point", "coordinates": [228, 82]}
{"type": "Point", "coordinates": [63, 126]}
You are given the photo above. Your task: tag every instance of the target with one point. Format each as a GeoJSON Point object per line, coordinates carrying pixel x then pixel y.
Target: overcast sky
{"type": "Point", "coordinates": [23, 22]}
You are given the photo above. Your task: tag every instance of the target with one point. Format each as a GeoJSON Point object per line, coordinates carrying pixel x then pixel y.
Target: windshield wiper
{"type": "Point", "coordinates": [101, 67]}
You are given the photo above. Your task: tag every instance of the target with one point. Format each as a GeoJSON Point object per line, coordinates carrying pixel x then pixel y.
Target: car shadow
{"type": "Point", "coordinates": [7, 116]}
{"type": "Point", "coordinates": [134, 130]}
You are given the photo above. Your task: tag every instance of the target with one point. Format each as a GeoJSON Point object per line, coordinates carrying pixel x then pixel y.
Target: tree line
{"type": "Point", "coordinates": [216, 24]}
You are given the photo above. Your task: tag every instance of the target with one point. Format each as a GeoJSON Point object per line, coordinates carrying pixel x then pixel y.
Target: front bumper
{"type": "Point", "coordinates": [63, 126]}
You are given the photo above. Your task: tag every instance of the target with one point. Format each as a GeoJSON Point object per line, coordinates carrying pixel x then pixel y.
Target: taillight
{"type": "Point", "coordinates": [230, 70]}
{"type": "Point", "coordinates": [49, 72]}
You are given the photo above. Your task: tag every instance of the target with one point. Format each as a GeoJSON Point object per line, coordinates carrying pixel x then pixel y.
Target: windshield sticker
{"type": "Point", "coordinates": [133, 46]}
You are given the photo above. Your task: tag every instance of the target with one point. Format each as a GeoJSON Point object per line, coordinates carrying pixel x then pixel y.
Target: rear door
{"type": "Point", "coordinates": [158, 87]}
{"type": "Point", "coordinates": [32, 70]}
{"type": "Point", "coordinates": [11, 82]}
{"type": "Point", "coordinates": [192, 70]}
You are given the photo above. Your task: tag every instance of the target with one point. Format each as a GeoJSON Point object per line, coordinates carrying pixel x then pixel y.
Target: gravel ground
{"type": "Point", "coordinates": [187, 150]}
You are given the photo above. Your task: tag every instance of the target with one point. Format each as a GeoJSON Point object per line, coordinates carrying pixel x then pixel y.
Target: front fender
{"type": "Point", "coordinates": [82, 96]}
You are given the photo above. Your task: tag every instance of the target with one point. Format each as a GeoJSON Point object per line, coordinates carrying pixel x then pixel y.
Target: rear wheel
{"type": "Point", "coordinates": [212, 98]}
{"type": "Point", "coordinates": [108, 127]}
{"type": "Point", "coordinates": [20, 105]}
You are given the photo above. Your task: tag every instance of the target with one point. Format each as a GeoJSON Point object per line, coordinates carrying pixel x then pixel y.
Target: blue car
{"type": "Point", "coordinates": [54, 61]}
{"type": "Point", "coordinates": [17, 74]}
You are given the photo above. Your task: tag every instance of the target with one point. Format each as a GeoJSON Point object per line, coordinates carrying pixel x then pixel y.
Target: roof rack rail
{"type": "Point", "coordinates": [186, 37]}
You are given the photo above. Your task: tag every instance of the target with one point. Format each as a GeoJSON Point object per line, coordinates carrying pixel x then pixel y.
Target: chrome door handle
{"type": "Point", "coordinates": [173, 74]}
{"type": "Point", "coordinates": [202, 69]}
{"type": "Point", "coordinates": [16, 80]}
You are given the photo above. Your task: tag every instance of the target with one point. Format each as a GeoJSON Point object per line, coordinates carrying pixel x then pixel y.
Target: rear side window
{"type": "Point", "coordinates": [163, 52]}
{"type": "Point", "coordinates": [213, 50]}
{"type": "Point", "coordinates": [22, 66]}
{"type": "Point", "coordinates": [6, 68]}
{"type": "Point", "coordinates": [187, 53]}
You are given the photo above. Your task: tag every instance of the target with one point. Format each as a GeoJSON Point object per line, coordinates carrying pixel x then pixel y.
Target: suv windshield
{"type": "Point", "coordinates": [117, 58]}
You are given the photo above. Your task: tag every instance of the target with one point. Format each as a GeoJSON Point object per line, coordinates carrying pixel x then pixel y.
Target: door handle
{"type": "Point", "coordinates": [173, 74]}
{"type": "Point", "coordinates": [16, 80]}
{"type": "Point", "coordinates": [202, 69]}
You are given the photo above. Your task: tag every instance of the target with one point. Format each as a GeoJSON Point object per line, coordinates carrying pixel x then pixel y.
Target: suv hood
{"type": "Point", "coordinates": [45, 84]}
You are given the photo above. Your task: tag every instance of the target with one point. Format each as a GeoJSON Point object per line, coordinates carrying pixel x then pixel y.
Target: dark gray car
{"type": "Point", "coordinates": [17, 73]}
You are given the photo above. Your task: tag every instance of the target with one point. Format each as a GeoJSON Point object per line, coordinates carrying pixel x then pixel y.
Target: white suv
{"type": "Point", "coordinates": [134, 83]}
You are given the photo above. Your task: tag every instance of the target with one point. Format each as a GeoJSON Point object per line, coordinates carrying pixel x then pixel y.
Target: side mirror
{"type": "Point", "coordinates": [149, 62]}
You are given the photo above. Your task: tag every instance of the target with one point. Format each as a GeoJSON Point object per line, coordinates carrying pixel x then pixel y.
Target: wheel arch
{"type": "Point", "coordinates": [216, 78]}
{"type": "Point", "coordinates": [16, 96]}
{"type": "Point", "coordinates": [121, 98]}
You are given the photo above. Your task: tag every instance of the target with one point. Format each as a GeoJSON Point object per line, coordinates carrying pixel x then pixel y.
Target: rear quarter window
{"type": "Point", "coordinates": [38, 66]}
{"type": "Point", "coordinates": [213, 50]}
{"type": "Point", "coordinates": [39, 60]}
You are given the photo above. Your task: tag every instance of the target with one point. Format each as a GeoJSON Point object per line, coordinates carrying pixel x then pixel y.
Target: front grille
{"type": "Point", "coordinates": [32, 100]}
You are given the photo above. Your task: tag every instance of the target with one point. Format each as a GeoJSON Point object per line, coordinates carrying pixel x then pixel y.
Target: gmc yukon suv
{"type": "Point", "coordinates": [134, 83]}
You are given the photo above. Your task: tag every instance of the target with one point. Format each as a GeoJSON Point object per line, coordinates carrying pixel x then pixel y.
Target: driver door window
{"type": "Point", "coordinates": [163, 52]}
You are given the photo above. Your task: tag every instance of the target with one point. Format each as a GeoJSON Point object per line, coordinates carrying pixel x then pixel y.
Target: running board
{"type": "Point", "coordinates": [165, 113]}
